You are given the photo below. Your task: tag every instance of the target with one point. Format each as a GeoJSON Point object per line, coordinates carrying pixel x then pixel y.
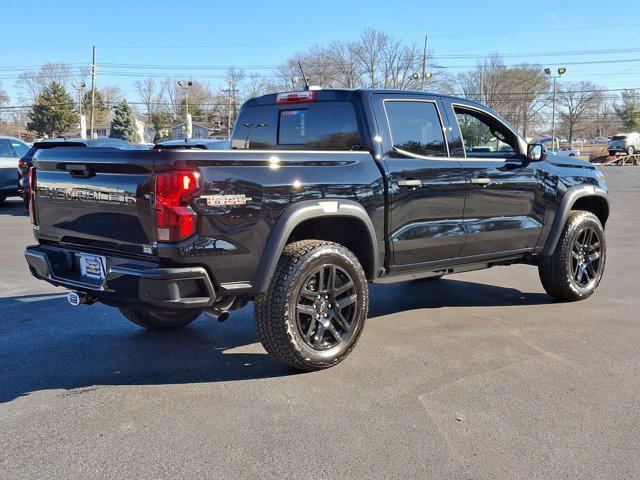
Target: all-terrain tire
{"type": "Point", "coordinates": [163, 320]}
{"type": "Point", "coordinates": [275, 310]}
{"type": "Point", "coordinates": [556, 272]}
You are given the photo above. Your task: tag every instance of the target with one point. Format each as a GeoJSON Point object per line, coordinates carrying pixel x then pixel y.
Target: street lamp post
{"type": "Point", "coordinates": [423, 78]}
{"type": "Point", "coordinates": [561, 72]}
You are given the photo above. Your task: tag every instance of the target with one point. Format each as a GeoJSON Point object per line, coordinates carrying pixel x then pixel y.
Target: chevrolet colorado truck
{"type": "Point", "coordinates": [320, 192]}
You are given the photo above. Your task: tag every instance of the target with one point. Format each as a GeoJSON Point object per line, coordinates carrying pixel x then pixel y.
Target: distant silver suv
{"type": "Point", "coordinates": [628, 143]}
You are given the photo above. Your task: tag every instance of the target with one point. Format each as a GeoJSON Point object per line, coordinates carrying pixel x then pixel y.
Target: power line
{"type": "Point", "coordinates": [283, 44]}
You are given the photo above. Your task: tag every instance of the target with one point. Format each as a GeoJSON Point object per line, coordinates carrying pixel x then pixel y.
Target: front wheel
{"type": "Point", "coordinates": [159, 319]}
{"type": "Point", "coordinates": [575, 269]}
{"type": "Point", "coordinates": [315, 307]}
{"type": "Point", "coordinates": [631, 150]}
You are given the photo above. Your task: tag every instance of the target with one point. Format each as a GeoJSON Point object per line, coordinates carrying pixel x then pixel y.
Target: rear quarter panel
{"type": "Point", "coordinates": [232, 238]}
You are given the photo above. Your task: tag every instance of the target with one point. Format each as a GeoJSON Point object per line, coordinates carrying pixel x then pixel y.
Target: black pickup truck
{"type": "Point", "coordinates": [321, 192]}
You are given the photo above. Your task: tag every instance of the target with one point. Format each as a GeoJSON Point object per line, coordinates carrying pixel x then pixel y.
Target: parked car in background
{"type": "Point", "coordinates": [568, 152]}
{"type": "Point", "coordinates": [189, 143]}
{"type": "Point", "coordinates": [11, 150]}
{"type": "Point", "coordinates": [628, 143]}
{"type": "Point", "coordinates": [600, 140]}
{"type": "Point", "coordinates": [25, 162]}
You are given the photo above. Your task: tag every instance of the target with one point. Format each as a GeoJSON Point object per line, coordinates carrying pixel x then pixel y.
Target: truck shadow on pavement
{"type": "Point", "coordinates": [446, 292]}
{"type": "Point", "coordinates": [45, 344]}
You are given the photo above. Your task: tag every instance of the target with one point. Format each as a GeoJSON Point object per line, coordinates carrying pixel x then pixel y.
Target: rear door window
{"type": "Point", "coordinates": [415, 128]}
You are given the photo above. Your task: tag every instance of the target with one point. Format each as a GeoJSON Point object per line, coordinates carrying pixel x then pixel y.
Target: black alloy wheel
{"type": "Point", "coordinates": [586, 257]}
{"type": "Point", "coordinates": [327, 308]}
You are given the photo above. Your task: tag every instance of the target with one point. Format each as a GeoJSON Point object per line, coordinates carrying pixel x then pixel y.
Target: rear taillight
{"type": "Point", "coordinates": [296, 97]}
{"type": "Point", "coordinates": [175, 220]}
{"type": "Point", "coordinates": [22, 164]}
{"type": "Point", "coordinates": [31, 195]}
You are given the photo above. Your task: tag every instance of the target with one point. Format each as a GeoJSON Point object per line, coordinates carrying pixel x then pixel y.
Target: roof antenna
{"type": "Point", "coordinates": [304, 78]}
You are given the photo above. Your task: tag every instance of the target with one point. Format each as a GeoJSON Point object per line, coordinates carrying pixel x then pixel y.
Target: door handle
{"type": "Point", "coordinates": [481, 181]}
{"type": "Point", "coordinates": [412, 183]}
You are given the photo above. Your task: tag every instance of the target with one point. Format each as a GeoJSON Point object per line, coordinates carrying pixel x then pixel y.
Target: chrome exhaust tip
{"type": "Point", "coordinates": [80, 298]}
{"type": "Point", "coordinates": [74, 298]}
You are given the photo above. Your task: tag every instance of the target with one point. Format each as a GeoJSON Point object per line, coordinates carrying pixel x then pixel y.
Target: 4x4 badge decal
{"type": "Point", "coordinates": [219, 200]}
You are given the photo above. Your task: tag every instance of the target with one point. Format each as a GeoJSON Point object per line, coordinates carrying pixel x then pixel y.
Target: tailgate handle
{"type": "Point", "coordinates": [79, 171]}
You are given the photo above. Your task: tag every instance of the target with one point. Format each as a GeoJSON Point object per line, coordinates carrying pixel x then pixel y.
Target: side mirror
{"type": "Point", "coordinates": [536, 152]}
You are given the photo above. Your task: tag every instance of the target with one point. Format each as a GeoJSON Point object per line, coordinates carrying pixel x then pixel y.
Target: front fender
{"type": "Point", "coordinates": [569, 199]}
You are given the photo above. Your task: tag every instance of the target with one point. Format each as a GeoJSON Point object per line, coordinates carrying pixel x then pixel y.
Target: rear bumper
{"type": "Point", "coordinates": [127, 282]}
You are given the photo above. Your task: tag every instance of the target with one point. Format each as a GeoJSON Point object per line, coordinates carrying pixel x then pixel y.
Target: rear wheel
{"type": "Point", "coordinates": [575, 269]}
{"type": "Point", "coordinates": [315, 307]}
{"type": "Point", "coordinates": [612, 152]}
{"type": "Point", "coordinates": [159, 319]}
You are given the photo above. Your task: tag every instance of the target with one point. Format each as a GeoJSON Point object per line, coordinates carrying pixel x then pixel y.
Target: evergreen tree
{"type": "Point", "coordinates": [123, 125]}
{"type": "Point", "coordinates": [53, 113]}
{"type": "Point", "coordinates": [161, 124]}
{"type": "Point", "coordinates": [100, 108]}
{"type": "Point", "coordinates": [629, 110]}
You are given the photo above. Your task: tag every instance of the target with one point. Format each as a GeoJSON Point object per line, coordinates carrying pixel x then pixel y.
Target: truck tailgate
{"type": "Point", "coordinates": [97, 198]}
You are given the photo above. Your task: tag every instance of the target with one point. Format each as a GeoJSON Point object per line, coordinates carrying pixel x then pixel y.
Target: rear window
{"type": "Point", "coordinates": [311, 126]}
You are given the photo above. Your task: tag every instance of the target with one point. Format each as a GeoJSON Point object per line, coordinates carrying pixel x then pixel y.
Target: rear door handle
{"type": "Point", "coordinates": [481, 181]}
{"type": "Point", "coordinates": [412, 183]}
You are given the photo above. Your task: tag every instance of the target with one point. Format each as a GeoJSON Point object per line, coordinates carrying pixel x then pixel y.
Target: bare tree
{"type": "Point", "coordinates": [487, 83]}
{"type": "Point", "coordinates": [343, 56]}
{"type": "Point", "coordinates": [151, 94]}
{"type": "Point", "coordinates": [4, 101]}
{"type": "Point", "coordinates": [112, 95]}
{"type": "Point", "coordinates": [529, 86]}
{"type": "Point", "coordinates": [31, 82]}
{"type": "Point", "coordinates": [576, 101]}
{"type": "Point", "coordinates": [371, 46]}
{"type": "Point", "coordinates": [603, 115]}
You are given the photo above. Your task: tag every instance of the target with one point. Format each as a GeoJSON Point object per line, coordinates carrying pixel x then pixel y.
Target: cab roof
{"type": "Point", "coordinates": [345, 94]}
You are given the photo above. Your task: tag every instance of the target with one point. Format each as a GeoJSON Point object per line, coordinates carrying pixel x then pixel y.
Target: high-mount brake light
{"type": "Point", "coordinates": [175, 220]}
{"type": "Point", "coordinates": [296, 97]}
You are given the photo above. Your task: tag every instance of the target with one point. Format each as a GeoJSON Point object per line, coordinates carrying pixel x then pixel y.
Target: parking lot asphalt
{"type": "Point", "coordinates": [478, 375]}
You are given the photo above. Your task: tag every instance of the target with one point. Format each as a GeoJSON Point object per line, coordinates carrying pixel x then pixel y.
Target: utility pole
{"type": "Point", "coordinates": [185, 86]}
{"type": "Point", "coordinates": [232, 102]}
{"type": "Point", "coordinates": [423, 77]}
{"type": "Point", "coordinates": [79, 87]}
{"type": "Point", "coordinates": [93, 91]}
{"type": "Point", "coordinates": [561, 72]}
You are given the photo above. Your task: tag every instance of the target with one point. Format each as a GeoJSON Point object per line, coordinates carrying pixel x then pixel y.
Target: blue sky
{"type": "Point", "coordinates": [249, 33]}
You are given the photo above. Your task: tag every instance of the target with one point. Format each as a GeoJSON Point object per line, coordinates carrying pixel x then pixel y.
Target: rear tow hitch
{"type": "Point", "coordinates": [81, 298]}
